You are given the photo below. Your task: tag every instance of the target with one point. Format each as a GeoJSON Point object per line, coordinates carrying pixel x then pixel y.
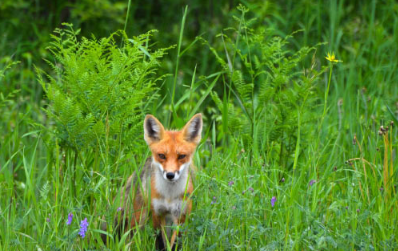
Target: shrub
{"type": "Point", "coordinates": [99, 91]}
{"type": "Point", "coordinates": [268, 88]}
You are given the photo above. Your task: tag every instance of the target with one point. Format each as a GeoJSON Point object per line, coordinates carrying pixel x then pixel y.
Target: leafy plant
{"type": "Point", "coordinates": [101, 90]}
{"type": "Point", "coordinates": [5, 98]}
{"type": "Point", "coordinates": [270, 92]}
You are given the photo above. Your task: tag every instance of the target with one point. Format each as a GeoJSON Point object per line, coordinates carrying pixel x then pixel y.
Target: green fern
{"type": "Point", "coordinates": [7, 97]}
{"type": "Point", "coordinates": [97, 89]}
{"type": "Point", "coordinates": [269, 87]}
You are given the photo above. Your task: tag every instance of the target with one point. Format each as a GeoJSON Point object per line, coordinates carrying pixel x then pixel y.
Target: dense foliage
{"type": "Point", "coordinates": [267, 94]}
{"type": "Point", "coordinates": [99, 92]}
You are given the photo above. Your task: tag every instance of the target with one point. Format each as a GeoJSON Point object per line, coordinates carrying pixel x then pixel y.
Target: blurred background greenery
{"type": "Point", "coordinates": [361, 33]}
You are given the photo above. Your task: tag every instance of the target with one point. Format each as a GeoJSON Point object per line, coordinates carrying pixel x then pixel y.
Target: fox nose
{"type": "Point", "coordinates": [170, 175]}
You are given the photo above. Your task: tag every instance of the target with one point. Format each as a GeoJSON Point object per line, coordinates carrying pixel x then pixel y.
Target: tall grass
{"type": "Point", "coordinates": [326, 160]}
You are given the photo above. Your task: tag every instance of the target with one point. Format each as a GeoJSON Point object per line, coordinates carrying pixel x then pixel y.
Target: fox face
{"type": "Point", "coordinates": [172, 151]}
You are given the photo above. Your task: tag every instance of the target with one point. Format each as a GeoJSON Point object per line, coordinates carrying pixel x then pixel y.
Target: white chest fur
{"type": "Point", "coordinates": [173, 207]}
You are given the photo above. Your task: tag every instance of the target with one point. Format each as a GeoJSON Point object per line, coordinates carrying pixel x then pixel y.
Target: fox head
{"type": "Point", "coordinates": [172, 151]}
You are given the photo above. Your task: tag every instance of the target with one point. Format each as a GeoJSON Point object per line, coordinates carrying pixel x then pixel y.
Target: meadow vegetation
{"type": "Point", "coordinates": [298, 150]}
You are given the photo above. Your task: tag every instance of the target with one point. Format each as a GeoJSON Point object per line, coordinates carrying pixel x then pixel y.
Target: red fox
{"type": "Point", "coordinates": [165, 182]}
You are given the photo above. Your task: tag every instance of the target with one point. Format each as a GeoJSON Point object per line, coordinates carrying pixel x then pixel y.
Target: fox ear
{"type": "Point", "coordinates": [192, 131]}
{"type": "Point", "coordinates": [153, 129]}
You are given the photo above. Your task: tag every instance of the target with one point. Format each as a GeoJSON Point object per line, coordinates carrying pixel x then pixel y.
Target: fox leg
{"type": "Point", "coordinates": [174, 235]}
{"type": "Point", "coordinates": [158, 223]}
{"type": "Point", "coordinates": [179, 220]}
{"type": "Point", "coordinates": [163, 230]}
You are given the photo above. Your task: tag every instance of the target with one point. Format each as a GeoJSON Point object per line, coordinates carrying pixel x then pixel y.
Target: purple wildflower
{"type": "Point", "coordinates": [312, 182]}
{"type": "Point", "coordinates": [283, 180]}
{"type": "Point", "coordinates": [243, 192]}
{"type": "Point", "coordinates": [70, 218]}
{"type": "Point", "coordinates": [83, 228]}
{"type": "Point", "coordinates": [358, 210]}
{"type": "Point", "coordinates": [119, 209]}
{"type": "Point", "coordinates": [214, 200]}
{"type": "Point", "coordinates": [346, 207]}
{"type": "Point", "coordinates": [273, 200]}
{"type": "Point", "coordinates": [48, 219]}
{"type": "Point", "coordinates": [251, 189]}
{"type": "Point", "coordinates": [231, 183]}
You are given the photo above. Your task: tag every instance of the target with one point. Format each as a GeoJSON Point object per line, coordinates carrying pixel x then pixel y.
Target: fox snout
{"type": "Point", "coordinates": [171, 174]}
{"type": "Point", "coordinates": [174, 175]}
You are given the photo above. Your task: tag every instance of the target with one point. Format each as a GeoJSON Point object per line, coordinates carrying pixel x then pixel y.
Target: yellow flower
{"type": "Point", "coordinates": [331, 58]}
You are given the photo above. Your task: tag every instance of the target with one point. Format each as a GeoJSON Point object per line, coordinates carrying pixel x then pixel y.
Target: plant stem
{"type": "Point", "coordinates": [127, 16]}
{"type": "Point", "coordinates": [326, 96]}
{"type": "Point", "coordinates": [324, 107]}
{"type": "Point", "coordinates": [177, 61]}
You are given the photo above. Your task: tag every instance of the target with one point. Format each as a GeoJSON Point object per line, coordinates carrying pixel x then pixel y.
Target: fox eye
{"type": "Point", "coordinates": [181, 156]}
{"type": "Point", "coordinates": [162, 156]}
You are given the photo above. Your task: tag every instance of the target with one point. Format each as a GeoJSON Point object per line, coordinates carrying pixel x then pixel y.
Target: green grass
{"type": "Point", "coordinates": [314, 144]}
